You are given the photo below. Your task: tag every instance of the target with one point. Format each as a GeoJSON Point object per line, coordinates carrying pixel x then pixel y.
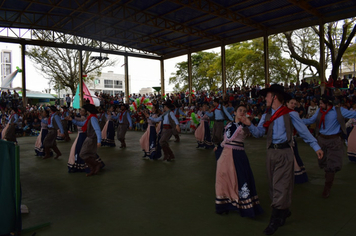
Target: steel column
{"type": "Point", "coordinates": [266, 59]}
{"type": "Point", "coordinates": [23, 64]}
{"type": "Point", "coordinates": [322, 58]}
{"type": "Point", "coordinates": [223, 70]}
{"type": "Point", "coordinates": [127, 92]}
{"type": "Point", "coordinates": [162, 77]}
{"type": "Point", "coordinates": [81, 78]}
{"type": "Point", "coordinates": [190, 76]}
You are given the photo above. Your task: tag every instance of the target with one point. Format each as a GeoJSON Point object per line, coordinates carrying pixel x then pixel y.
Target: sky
{"type": "Point", "coordinates": [144, 72]}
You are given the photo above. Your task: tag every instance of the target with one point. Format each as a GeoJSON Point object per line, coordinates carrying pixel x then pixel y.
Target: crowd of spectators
{"type": "Point", "coordinates": [307, 96]}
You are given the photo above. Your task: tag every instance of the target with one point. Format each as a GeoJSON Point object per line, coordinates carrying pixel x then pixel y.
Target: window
{"type": "Point", "coordinates": [110, 92]}
{"type": "Point", "coordinates": [7, 70]}
{"type": "Point", "coordinates": [7, 57]}
{"type": "Point", "coordinates": [117, 84]}
{"type": "Point", "coordinates": [108, 83]}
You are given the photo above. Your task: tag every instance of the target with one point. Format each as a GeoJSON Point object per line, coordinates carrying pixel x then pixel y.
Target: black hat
{"type": "Point", "coordinates": [53, 108]}
{"type": "Point", "coordinates": [64, 107]}
{"type": "Point", "coordinates": [326, 99]}
{"type": "Point", "coordinates": [168, 104]}
{"type": "Point", "coordinates": [275, 88]}
{"type": "Point", "coordinates": [91, 108]}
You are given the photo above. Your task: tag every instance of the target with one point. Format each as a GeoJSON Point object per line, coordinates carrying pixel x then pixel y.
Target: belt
{"type": "Point", "coordinates": [51, 129]}
{"type": "Point", "coordinates": [279, 146]}
{"type": "Point", "coordinates": [167, 126]}
{"type": "Point", "coordinates": [329, 136]}
{"type": "Point", "coordinates": [219, 120]}
{"type": "Point", "coordinates": [122, 124]}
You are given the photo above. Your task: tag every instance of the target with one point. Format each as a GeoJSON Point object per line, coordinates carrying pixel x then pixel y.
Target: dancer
{"type": "Point", "coordinates": [168, 121]}
{"type": "Point", "coordinates": [64, 122]}
{"type": "Point", "coordinates": [351, 141]}
{"type": "Point", "coordinates": [75, 163]}
{"type": "Point", "coordinates": [148, 141]}
{"type": "Point", "coordinates": [219, 114]}
{"type": "Point", "coordinates": [44, 131]}
{"type": "Point", "coordinates": [177, 112]}
{"type": "Point", "coordinates": [123, 120]}
{"type": "Point", "coordinates": [108, 132]}
{"type": "Point", "coordinates": [102, 119]}
{"type": "Point", "coordinates": [92, 141]}
{"type": "Point", "coordinates": [202, 133]}
{"type": "Point", "coordinates": [9, 132]}
{"type": "Point", "coordinates": [300, 175]}
{"type": "Point", "coordinates": [330, 127]}
{"type": "Point", "coordinates": [235, 185]}
{"type": "Point", "coordinates": [279, 124]}
{"type": "Point", "coordinates": [54, 123]}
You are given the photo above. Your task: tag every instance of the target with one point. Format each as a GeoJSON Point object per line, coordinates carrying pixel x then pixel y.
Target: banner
{"type": "Point", "coordinates": [10, 200]}
{"type": "Point", "coordinates": [86, 95]}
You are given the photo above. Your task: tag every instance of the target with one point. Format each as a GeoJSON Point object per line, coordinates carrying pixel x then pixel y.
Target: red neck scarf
{"type": "Point", "coordinates": [50, 118]}
{"type": "Point", "coordinates": [280, 112]}
{"type": "Point", "coordinates": [85, 126]}
{"type": "Point", "coordinates": [121, 115]}
{"type": "Point", "coordinates": [322, 119]}
{"type": "Point", "coordinates": [216, 108]}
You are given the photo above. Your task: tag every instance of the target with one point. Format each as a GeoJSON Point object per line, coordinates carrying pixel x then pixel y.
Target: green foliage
{"type": "Point", "coordinates": [244, 66]}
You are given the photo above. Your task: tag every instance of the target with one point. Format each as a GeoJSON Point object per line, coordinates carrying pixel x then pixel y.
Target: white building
{"type": "Point", "coordinates": [109, 83]}
{"type": "Point", "coordinates": [10, 58]}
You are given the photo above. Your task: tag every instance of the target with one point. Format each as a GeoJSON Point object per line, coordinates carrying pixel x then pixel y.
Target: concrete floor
{"type": "Point", "coordinates": [132, 196]}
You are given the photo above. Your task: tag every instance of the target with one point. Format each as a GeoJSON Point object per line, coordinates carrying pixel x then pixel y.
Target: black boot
{"type": "Point", "coordinates": [284, 215]}
{"type": "Point", "coordinates": [329, 179]}
{"type": "Point", "coordinates": [177, 138]}
{"type": "Point", "coordinates": [275, 222]}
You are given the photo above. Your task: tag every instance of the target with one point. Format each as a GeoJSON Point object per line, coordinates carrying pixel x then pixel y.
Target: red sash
{"type": "Point", "coordinates": [50, 118]}
{"type": "Point", "coordinates": [85, 126]}
{"type": "Point", "coordinates": [216, 108]}
{"type": "Point", "coordinates": [322, 119]}
{"type": "Point", "coordinates": [121, 115]}
{"type": "Point", "coordinates": [280, 112]}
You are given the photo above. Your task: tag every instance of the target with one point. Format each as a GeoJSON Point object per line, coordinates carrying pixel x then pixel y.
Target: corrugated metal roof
{"type": "Point", "coordinates": [39, 95]}
{"type": "Point", "coordinates": [173, 27]}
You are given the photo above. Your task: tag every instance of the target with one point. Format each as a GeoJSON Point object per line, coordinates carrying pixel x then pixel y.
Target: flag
{"type": "Point", "coordinates": [9, 78]}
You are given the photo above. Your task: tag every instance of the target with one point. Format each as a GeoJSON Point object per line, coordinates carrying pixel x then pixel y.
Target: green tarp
{"type": "Point", "coordinates": [10, 212]}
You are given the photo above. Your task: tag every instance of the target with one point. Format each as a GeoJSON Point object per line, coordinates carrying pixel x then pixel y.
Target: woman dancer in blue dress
{"type": "Point", "coordinates": [44, 131]}
{"type": "Point", "coordinates": [108, 132]}
{"type": "Point", "coordinates": [202, 133]}
{"type": "Point", "coordinates": [300, 175]}
{"type": "Point", "coordinates": [148, 141]}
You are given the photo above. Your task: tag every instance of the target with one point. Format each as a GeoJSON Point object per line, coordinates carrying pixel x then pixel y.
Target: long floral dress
{"type": "Point", "coordinates": [202, 133]}
{"type": "Point", "coordinates": [235, 185]}
{"type": "Point", "coordinates": [148, 141]}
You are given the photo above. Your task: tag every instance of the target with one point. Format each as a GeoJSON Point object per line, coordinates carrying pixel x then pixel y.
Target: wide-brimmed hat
{"type": "Point", "coordinates": [53, 108]}
{"type": "Point", "coordinates": [168, 104]}
{"type": "Point", "coordinates": [91, 108]}
{"type": "Point", "coordinates": [276, 88]}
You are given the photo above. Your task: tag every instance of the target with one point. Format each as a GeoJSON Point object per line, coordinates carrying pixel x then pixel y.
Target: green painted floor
{"type": "Point", "coordinates": [132, 196]}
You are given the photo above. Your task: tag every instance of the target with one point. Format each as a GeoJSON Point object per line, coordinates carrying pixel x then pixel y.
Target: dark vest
{"type": "Point", "coordinates": [90, 131]}
{"type": "Point", "coordinates": [289, 129]}
{"type": "Point", "coordinates": [124, 119]}
{"type": "Point", "coordinates": [340, 119]}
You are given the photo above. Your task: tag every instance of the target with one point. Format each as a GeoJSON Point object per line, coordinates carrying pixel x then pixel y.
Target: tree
{"type": "Point", "coordinates": [203, 74]}
{"type": "Point", "coordinates": [61, 66]}
{"type": "Point", "coordinates": [337, 39]}
{"type": "Point", "coordinates": [349, 58]}
{"type": "Point", "coordinates": [245, 63]}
